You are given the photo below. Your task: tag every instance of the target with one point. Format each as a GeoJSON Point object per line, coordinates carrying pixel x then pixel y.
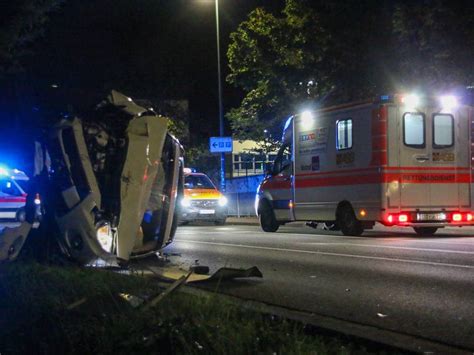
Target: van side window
{"type": "Point", "coordinates": [344, 134]}
{"type": "Point", "coordinates": [414, 129]}
{"type": "Point", "coordinates": [443, 130]}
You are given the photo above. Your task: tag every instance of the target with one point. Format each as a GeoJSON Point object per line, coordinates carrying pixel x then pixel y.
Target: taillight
{"type": "Point", "coordinates": [403, 218]}
{"type": "Point", "coordinates": [396, 218]}
{"type": "Point", "coordinates": [462, 217]}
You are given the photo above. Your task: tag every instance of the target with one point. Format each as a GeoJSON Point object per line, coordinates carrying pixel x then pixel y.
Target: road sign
{"type": "Point", "coordinates": [220, 144]}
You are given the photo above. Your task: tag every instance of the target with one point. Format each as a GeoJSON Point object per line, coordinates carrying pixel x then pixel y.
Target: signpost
{"type": "Point", "coordinates": [220, 144]}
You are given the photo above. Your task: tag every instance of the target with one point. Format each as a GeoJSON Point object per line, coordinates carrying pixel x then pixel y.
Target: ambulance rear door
{"type": "Point", "coordinates": [433, 157]}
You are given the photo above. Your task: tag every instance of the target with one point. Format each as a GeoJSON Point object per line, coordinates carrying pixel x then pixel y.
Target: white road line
{"type": "Point", "coordinates": [245, 233]}
{"type": "Point", "coordinates": [393, 237]}
{"type": "Point", "coordinates": [395, 247]}
{"type": "Point", "coordinates": [330, 254]}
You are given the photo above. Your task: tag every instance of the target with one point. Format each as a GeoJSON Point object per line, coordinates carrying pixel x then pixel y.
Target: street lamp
{"type": "Point", "coordinates": [219, 85]}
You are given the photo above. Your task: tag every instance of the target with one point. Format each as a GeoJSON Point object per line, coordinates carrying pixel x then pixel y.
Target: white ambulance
{"type": "Point", "coordinates": [402, 160]}
{"type": "Point", "coordinates": [12, 194]}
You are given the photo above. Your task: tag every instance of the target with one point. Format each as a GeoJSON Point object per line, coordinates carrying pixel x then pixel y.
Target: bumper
{"type": "Point", "coordinates": [191, 214]}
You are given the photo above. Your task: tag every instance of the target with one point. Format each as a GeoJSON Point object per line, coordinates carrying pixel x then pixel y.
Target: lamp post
{"type": "Point", "coordinates": [219, 86]}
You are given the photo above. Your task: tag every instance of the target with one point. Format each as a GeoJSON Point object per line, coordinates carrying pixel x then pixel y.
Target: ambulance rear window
{"type": "Point", "coordinates": [443, 130]}
{"type": "Point", "coordinates": [414, 130]}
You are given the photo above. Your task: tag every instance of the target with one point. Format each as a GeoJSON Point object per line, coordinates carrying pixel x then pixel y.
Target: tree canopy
{"type": "Point", "coordinates": [320, 53]}
{"type": "Point", "coordinates": [24, 23]}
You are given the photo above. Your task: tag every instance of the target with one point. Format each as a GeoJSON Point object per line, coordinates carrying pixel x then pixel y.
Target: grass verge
{"type": "Point", "coordinates": [35, 317]}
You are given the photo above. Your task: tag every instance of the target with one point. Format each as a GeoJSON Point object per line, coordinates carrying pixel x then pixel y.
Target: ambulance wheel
{"type": "Point", "coordinates": [267, 218]}
{"type": "Point", "coordinates": [425, 231]}
{"type": "Point", "coordinates": [348, 222]}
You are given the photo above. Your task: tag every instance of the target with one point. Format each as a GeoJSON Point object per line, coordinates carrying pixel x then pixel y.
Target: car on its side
{"type": "Point", "coordinates": [201, 201]}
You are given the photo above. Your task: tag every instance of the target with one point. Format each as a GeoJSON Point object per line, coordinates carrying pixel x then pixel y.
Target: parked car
{"type": "Point", "coordinates": [202, 201]}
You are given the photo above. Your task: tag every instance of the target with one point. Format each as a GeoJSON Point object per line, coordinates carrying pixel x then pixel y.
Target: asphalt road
{"type": "Point", "coordinates": [389, 279]}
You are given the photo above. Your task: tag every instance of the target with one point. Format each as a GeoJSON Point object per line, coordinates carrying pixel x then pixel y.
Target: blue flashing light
{"type": "Point", "coordinates": [287, 123]}
{"type": "Point", "coordinates": [385, 97]}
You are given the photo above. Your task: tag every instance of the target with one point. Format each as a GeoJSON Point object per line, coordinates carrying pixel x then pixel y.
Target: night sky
{"type": "Point", "coordinates": [153, 48]}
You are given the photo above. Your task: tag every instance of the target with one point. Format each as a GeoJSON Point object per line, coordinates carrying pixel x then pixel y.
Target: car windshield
{"type": "Point", "coordinates": [198, 182]}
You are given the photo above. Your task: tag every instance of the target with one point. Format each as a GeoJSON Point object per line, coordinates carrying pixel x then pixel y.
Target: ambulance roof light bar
{"type": "Point", "coordinates": [448, 102]}
{"type": "Point", "coordinates": [411, 101]}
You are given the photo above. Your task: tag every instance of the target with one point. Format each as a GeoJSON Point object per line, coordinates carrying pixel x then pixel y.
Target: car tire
{"type": "Point", "coordinates": [348, 222]}
{"type": "Point", "coordinates": [267, 219]}
{"type": "Point", "coordinates": [21, 215]}
{"type": "Point", "coordinates": [425, 231]}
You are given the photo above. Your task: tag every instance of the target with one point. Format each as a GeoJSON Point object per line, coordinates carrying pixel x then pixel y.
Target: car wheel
{"type": "Point", "coordinates": [21, 215]}
{"type": "Point", "coordinates": [267, 218]}
{"type": "Point", "coordinates": [425, 231]}
{"type": "Point", "coordinates": [348, 222]}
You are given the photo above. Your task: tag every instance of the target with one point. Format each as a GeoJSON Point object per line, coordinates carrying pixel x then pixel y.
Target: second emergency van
{"type": "Point", "coordinates": [401, 160]}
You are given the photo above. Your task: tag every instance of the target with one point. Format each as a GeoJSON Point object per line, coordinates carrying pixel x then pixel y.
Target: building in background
{"type": "Point", "coordinates": [249, 158]}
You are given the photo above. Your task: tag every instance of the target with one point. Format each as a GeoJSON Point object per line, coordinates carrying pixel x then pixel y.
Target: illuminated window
{"type": "Point", "coordinates": [344, 134]}
{"type": "Point", "coordinates": [414, 130]}
{"type": "Point", "coordinates": [443, 130]}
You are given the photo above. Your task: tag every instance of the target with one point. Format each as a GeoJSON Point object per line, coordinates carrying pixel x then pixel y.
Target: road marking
{"type": "Point", "coordinates": [395, 247]}
{"type": "Point", "coordinates": [244, 233]}
{"type": "Point", "coordinates": [330, 254]}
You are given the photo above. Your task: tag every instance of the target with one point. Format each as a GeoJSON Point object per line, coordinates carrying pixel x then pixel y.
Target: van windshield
{"type": "Point", "coordinates": [23, 184]}
{"type": "Point", "coordinates": [9, 188]}
{"type": "Point", "coordinates": [198, 182]}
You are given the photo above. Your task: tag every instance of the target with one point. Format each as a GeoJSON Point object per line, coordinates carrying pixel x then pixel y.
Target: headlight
{"type": "Point", "coordinates": [105, 236]}
{"type": "Point", "coordinates": [223, 201]}
{"type": "Point", "coordinates": [186, 202]}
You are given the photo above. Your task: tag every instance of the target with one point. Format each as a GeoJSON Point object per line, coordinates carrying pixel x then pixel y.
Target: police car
{"type": "Point", "coordinates": [13, 187]}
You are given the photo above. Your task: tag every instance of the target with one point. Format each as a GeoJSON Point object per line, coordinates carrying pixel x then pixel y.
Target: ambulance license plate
{"type": "Point", "coordinates": [431, 216]}
{"type": "Point", "coordinates": [207, 211]}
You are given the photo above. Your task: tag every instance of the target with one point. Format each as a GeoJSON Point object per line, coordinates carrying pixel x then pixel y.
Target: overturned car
{"type": "Point", "coordinates": [109, 186]}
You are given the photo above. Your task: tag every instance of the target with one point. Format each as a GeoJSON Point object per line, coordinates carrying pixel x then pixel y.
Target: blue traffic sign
{"type": "Point", "coordinates": [220, 144]}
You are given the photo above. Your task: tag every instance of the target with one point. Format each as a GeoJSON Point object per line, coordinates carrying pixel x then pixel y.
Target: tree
{"type": "Point", "coordinates": [27, 19]}
{"type": "Point", "coordinates": [436, 43]}
{"type": "Point", "coordinates": [329, 52]}
{"type": "Point", "coordinates": [278, 62]}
